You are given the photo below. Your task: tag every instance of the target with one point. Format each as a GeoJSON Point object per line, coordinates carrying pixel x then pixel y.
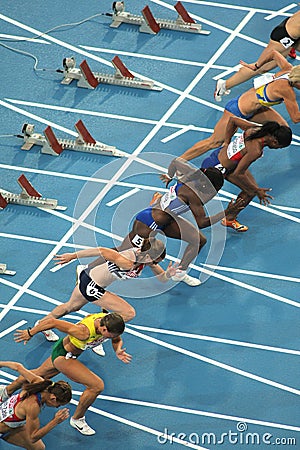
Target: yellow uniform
{"type": "Point", "coordinates": [94, 339]}
{"type": "Point", "coordinates": [261, 92]}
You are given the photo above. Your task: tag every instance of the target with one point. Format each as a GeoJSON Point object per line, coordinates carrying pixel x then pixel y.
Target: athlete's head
{"type": "Point", "coordinates": [58, 393]}
{"type": "Point", "coordinates": [114, 323]}
{"type": "Point", "coordinates": [153, 250]}
{"type": "Point", "coordinates": [280, 136]}
{"type": "Point", "coordinates": [294, 75]}
{"type": "Point", "coordinates": [215, 177]}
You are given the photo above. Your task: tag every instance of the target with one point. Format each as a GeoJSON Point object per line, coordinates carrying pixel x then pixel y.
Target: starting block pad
{"type": "Point", "coordinates": [149, 24]}
{"type": "Point", "coordinates": [28, 197]}
{"type": "Point", "coordinates": [5, 271]}
{"type": "Point", "coordinates": [90, 80]}
{"type": "Point", "coordinates": [52, 145]}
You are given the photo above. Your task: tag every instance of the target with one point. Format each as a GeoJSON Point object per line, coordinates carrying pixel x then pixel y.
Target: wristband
{"type": "Point", "coordinates": [256, 66]}
{"type": "Point", "coordinates": [28, 331]}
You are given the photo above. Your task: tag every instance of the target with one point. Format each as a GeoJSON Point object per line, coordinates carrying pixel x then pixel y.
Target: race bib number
{"type": "Point", "coordinates": [168, 197]}
{"type": "Point", "coordinates": [286, 42]}
{"type": "Point", "coordinates": [137, 241]}
{"type": "Point", "coordinates": [7, 408]}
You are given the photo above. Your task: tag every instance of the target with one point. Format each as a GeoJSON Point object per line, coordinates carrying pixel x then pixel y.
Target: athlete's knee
{"type": "Point", "coordinates": [129, 315]}
{"type": "Point", "coordinates": [213, 142]}
{"type": "Point", "coordinates": [202, 242]}
{"type": "Point", "coordinates": [97, 387]}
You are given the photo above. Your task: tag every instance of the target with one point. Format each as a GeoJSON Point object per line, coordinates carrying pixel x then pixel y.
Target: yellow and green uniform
{"type": "Point", "coordinates": [93, 340]}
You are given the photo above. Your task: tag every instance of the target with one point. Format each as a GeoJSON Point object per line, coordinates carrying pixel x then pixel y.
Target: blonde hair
{"type": "Point", "coordinates": [294, 75]}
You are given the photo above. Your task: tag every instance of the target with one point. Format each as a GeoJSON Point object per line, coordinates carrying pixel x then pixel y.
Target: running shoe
{"type": "Point", "coordinates": [221, 90]}
{"type": "Point", "coordinates": [3, 393]}
{"type": "Point", "coordinates": [99, 350]}
{"type": "Point", "coordinates": [155, 197]}
{"type": "Point", "coordinates": [293, 53]}
{"type": "Point", "coordinates": [234, 224]}
{"type": "Point", "coordinates": [181, 275]}
{"type": "Point", "coordinates": [49, 334]}
{"type": "Point", "coordinates": [82, 426]}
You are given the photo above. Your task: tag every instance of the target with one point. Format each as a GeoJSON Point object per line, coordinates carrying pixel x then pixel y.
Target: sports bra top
{"type": "Point", "coordinates": [261, 92]}
{"type": "Point", "coordinates": [7, 410]}
{"type": "Point", "coordinates": [235, 148]}
{"type": "Point", "coordinates": [172, 202]}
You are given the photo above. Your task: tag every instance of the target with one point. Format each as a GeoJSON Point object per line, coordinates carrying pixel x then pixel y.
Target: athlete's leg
{"type": "Point", "coordinates": [113, 302]}
{"type": "Point", "coordinates": [76, 302]}
{"type": "Point", "coordinates": [269, 114]}
{"type": "Point", "coordinates": [21, 438]}
{"type": "Point", "coordinates": [78, 372]}
{"type": "Point", "coordinates": [46, 370]}
{"type": "Point", "coordinates": [245, 74]}
{"type": "Point", "coordinates": [213, 141]}
{"type": "Point", "coordinates": [185, 231]}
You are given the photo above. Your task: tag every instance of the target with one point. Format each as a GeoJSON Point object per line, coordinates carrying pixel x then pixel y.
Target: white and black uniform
{"type": "Point", "coordinates": [93, 281]}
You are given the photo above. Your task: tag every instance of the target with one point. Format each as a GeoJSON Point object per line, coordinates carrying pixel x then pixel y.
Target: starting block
{"type": "Point", "coordinates": [51, 145]}
{"type": "Point", "coordinates": [148, 23]}
{"type": "Point", "coordinates": [88, 79]}
{"type": "Point", "coordinates": [4, 271]}
{"type": "Point", "coordinates": [28, 197]}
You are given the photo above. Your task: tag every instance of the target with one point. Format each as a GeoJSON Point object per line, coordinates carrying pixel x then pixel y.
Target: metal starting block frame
{"type": "Point", "coordinates": [149, 24]}
{"type": "Point", "coordinates": [4, 271]}
{"type": "Point", "coordinates": [28, 197]}
{"type": "Point", "coordinates": [51, 145]}
{"type": "Point", "coordinates": [88, 79]}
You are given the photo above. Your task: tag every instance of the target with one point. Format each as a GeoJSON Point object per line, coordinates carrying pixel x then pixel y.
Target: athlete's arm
{"type": "Point", "coordinates": [18, 367]}
{"type": "Point", "coordinates": [79, 330]}
{"type": "Point", "coordinates": [33, 423]}
{"type": "Point", "coordinates": [121, 354]}
{"type": "Point", "coordinates": [107, 253]}
{"type": "Point", "coordinates": [233, 124]}
{"type": "Point", "coordinates": [290, 101]}
{"type": "Point", "coordinates": [161, 274]}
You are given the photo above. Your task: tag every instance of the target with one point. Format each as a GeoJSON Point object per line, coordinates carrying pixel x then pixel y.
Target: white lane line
{"type": "Point", "coordinates": [42, 312]}
{"type": "Point", "coordinates": [218, 340]}
{"type": "Point", "coordinates": [126, 118]}
{"type": "Point", "coordinates": [265, 208]}
{"type": "Point", "coordinates": [138, 426]}
{"type": "Point", "coordinates": [228, 6]}
{"type": "Point", "coordinates": [246, 286]}
{"type": "Point", "coordinates": [286, 208]}
{"type": "Point", "coordinates": [213, 362]}
{"type": "Point", "coordinates": [21, 237]}
{"type": "Point", "coordinates": [122, 197]}
{"type": "Point", "coordinates": [22, 38]}
{"type": "Point", "coordinates": [177, 133]}
{"type": "Point", "coordinates": [37, 118]}
{"type": "Point", "coordinates": [152, 57]}
{"type": "Point", "coordinates": [12, 328]}
{"type": "Point", "coordinates": [194, 412]}
{"type": "Point", "coordinates": [193, 266]}
{"type": "Point", "coordinates": [280, 11]}
{"type": "Point", "coordinates": [59, 266]}
{"type": "Point", "coordinates": [252, 272]}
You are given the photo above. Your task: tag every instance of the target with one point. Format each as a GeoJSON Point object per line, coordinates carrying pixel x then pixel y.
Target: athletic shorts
{"type": "Point", "coordinates": [88, 288]}
{"type": "Point", "coordinates": [58, 350]}
{"type": "Point", "coordinates": [233, 107]}
{"type": "Point", "coordinates": [145, 216]}
{"type": "Point", "coordinates": [213, 161]}
{"type": "Point", "coordinates": [279, 34]}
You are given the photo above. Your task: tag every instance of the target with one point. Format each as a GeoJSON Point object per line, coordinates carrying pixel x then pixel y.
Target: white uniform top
{"type": "Point", "coordinates": [108, 272]}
